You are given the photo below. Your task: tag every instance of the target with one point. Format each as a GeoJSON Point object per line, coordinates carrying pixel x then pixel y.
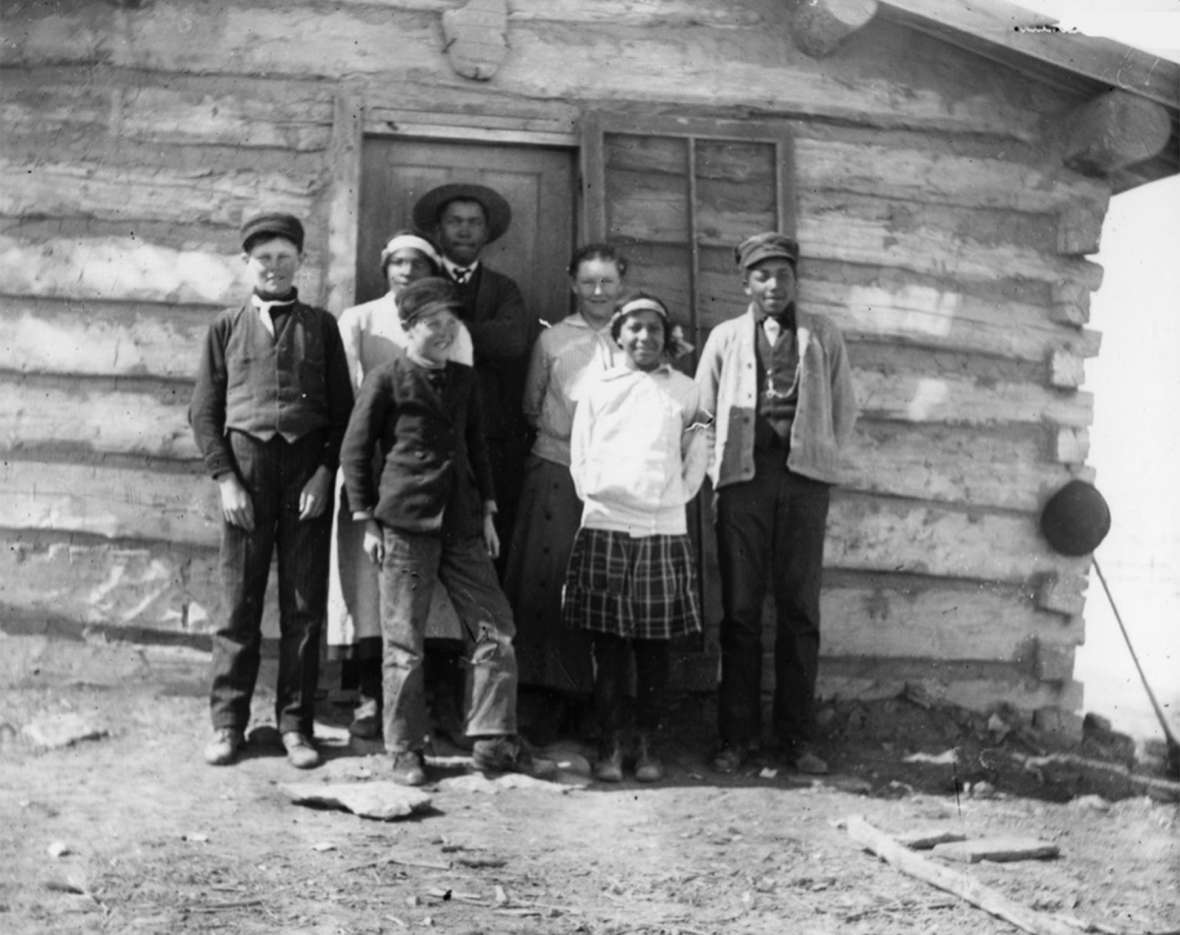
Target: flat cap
{"type": "Point", "coordinates": [766, 246]}
{"type": "Point", "coordinates": [425, 297]}
{"type": "Point", "coordinates": [272, 224]}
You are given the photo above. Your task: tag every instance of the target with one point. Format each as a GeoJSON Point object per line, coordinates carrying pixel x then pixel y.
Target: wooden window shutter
{"type": "Point", "coordinates": [677, 195]}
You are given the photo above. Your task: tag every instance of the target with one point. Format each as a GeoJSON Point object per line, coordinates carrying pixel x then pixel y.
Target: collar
{"type": "Point", "coordinates": [618, 371]}
{"type": "Point", "coordinates": [450, 266]}
{"type": "Point", "coordinates": [789, 317]}
{"type": "Point", "coordinates": [425, 363]}
{"type": "Point", "coordinates": [263, 307]}
{"type": "Point", "coordinates": [578, 320]}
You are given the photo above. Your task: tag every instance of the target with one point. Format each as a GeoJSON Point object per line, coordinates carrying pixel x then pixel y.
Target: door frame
{"type": "Point", "coordinates": [351, 123]}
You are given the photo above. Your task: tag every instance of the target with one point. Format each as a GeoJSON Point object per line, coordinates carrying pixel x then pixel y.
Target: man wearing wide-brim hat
{"type": "Point", "coordinates": [463, 218]}
{"type": "Point", "coordinates": [778, 381]}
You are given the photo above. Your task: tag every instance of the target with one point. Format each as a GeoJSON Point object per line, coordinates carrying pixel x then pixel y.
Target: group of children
{"type": "Point", "coordinates": [601, 566]}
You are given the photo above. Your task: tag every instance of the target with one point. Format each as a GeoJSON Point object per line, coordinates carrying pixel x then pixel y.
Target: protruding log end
{"type": "Point", "coordinates": [818, 27]}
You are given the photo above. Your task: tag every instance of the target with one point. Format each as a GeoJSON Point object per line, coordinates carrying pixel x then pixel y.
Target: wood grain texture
{"type": "Point", "coordinates": [100, 338]}
{"type": "Point", "coordinates": [751, 64]}
{"type": "Point", "coordinates": [94, 416]}
{"type": "Point", "coordinates": [126, 268]}
{"type": "Point", "coordinates": [116, 190]}
{"type": "Point", "coordinates": [115, 502]}
{"type": "Point", "coordinates": [879, 534]}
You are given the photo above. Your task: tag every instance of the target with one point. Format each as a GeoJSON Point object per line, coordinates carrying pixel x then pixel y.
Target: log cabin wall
{"type": "Point", "coordinates": [939, 229]}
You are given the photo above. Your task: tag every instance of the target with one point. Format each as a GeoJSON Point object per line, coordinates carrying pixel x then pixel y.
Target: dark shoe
{"type": "Point", "coordinates": [300, 752]}
{"type": "Point", "coordinates": [609, 765]}
{"type": "Point", "coordinates": [648, 766]}
{"type": "Point", "coordinates": [366, 720]}
{"type": "Point", "coordinates": [508, 755]}
{"type": "Point", "coordinates": [408, 768]}
{"type": "Point", "coordinates": [223, 749]}
{"type": "Point", "coordinates": [729, 758]}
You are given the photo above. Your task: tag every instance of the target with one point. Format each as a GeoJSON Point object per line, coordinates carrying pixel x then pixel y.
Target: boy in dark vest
{"type": "Point", "coordinates": [269, 410]}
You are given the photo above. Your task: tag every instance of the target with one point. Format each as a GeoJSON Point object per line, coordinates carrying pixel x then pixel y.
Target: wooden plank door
{"type": "Point", "coordinates": [538, 183]}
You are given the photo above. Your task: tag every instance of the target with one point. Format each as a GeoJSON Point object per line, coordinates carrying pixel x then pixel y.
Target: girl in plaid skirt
{"type": "Point", "coordinates": [638, 452]}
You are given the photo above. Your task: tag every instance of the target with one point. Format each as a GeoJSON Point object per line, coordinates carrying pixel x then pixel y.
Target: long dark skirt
{"type": "Point", "coordinates": [548, 655]}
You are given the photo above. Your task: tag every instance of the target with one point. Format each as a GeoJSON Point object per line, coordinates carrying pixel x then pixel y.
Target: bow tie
{"type": "Point", "coordinates": [461, 275]}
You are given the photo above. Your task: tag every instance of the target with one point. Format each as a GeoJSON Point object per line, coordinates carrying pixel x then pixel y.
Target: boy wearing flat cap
{"type": "Point", "coordinates": [269, 409]}
{"type": "Point", "coordinates": [429, 521]}
{"type": "Point", "coordinates": [778, 382]}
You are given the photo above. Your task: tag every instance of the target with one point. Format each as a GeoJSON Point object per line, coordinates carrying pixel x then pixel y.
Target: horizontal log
{"type": "Point", "coordinates": [99, 338]}
{"type": "Point", "coordinates": [868, 533]}
{"type": "Point", "coordinates": [944, 318]}
{"type": "Point", "coordinates": [115, 502]}
{"type": "Point", "coordinates": [956, 466]}
{"type": "Point", "coordinates": [151, 585]}
{"type": "Point", "coordinates": [915, 398]}
{"type": "Point", "coordinates": [865, 533]}
{"type": "Point", "coordinates": [134, 193]}
{"type": "Point", "coordinates": [96, 416]}
{"type": "Point", "coordinates": [945, 684]}
{"type": "Point", "coordinates": [900, 170]}
{"type": "Point", "coordinates": [128, 269]}
{"type": "Point", "coordinates": [936, 621]}
{"type": "Point", "coordinates": [80, 108]}
{"type": "Point", "coordinates": [925, 241]}
{"type": "Point", "coordinates": [739, 67]}
{"type": "Point", "coordinates": [1112, 131]}
{"type": "Point", "coordinates": [897, 235]}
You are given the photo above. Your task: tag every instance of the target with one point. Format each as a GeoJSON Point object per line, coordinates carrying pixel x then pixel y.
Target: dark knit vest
{"type": "Point", "coordinates": [778, 388]}
{"type": "Point", "coordinates": [276, 386]}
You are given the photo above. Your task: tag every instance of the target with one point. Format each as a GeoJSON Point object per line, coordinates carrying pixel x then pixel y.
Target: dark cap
{"type": "Point", "coordinates": [766, 246]}
{"type": "Point", "coordinates": [273, 224]}
{"type": "Point", "coordinates": [496, 210]}
{"type": "Point", "coordinates": [425, 297]}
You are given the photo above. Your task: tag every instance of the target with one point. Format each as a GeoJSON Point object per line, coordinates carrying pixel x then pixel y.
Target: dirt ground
{"type": "Point", "coordinates": [131, 832]}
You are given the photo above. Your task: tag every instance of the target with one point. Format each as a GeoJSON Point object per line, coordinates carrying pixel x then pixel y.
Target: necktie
{"type": "Point", "coordinates": [461, 275]}
{"type": "Point", "coordinates": [773, 329]}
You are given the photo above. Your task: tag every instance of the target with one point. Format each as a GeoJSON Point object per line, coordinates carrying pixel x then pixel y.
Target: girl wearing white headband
{"type": "Point", "coordinates": [637, 456]}
{"type": "Point", "coordinates": [373, 334]}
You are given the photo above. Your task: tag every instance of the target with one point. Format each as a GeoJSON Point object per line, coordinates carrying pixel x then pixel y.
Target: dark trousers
{"type": "Point", "coordinates": [273, 473]}
{"type": "Point", "coordinates": [770, 530]}
{"type": "Point", "coordinates": [652, 660]}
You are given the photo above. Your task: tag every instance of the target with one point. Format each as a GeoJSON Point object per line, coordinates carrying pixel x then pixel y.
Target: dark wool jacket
{"type": "Point", "coordinates": [500, 332]}
{"type": "Point", "coordinates": [291, 384]}
{"type": "Point", "coordinates": [436, 473]}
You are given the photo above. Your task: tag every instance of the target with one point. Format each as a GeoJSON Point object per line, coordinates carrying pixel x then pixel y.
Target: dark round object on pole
{"type": "Point", "coordinates": [1076, 519]}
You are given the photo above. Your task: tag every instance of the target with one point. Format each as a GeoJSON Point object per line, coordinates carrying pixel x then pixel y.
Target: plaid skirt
{"type": "Point", "coordinates": [640, 588]}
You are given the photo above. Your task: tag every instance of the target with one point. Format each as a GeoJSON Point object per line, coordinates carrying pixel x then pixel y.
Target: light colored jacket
{"type": "Point", "coordinates": [566, 358]}
{"type": "Point", "coordinates": [638, 451]}
{"type": "Point", "coordinates": [727, 376]}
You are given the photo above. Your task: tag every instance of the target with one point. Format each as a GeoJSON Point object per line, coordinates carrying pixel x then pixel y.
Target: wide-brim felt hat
{"type": "Point", "coordinates": [496, 208]}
